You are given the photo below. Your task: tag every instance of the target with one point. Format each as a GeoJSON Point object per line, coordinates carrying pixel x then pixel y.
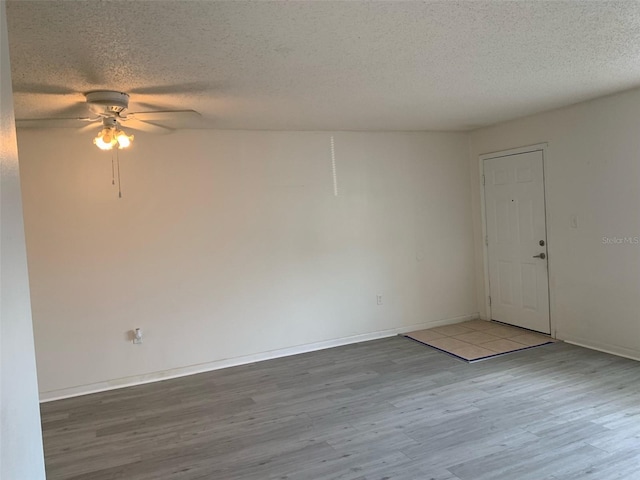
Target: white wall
{"type": "Point", "coordinates": [21, 455]}
{"type": "Point", "coordinates": [228, 244]}
{"type": "Point", "coordinates": [593, 171]}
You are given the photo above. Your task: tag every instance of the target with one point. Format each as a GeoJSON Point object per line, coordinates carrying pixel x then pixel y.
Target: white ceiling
{"type": "Point", "coordinates": [324, 65]}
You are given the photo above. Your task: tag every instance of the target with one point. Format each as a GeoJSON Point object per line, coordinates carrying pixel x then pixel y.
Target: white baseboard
{"type": "Point", "coordinates": [232, 362]}
{"type": "Point", "coordinates": [602, 347]}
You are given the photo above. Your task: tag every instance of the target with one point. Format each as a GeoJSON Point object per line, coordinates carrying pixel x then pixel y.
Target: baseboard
{"type": "Point", "coordinates": [602, 347]}
{"type": "Point", "coordinates": [124, 382]}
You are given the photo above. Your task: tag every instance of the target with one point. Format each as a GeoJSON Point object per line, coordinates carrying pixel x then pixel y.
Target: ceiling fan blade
{"type": "Point", "coordinates": [161, 115]}
{"type": "Point", "coordinates": [143, 126]}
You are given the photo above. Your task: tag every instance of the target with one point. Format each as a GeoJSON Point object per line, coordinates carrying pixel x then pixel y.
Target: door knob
{"type": "Point", "coordinates": [542, 256]}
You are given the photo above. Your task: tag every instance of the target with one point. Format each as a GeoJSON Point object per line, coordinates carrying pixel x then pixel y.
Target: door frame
{"type": "Point", "coordinates": [538, 147]}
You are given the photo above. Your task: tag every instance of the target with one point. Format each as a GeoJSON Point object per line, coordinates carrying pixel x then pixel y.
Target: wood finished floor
{"type": "Point", "coordinates": [386, 409]}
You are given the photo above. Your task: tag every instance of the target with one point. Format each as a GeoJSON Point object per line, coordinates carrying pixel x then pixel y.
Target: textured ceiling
{"type": "Point", "coordinates": [324, 65]}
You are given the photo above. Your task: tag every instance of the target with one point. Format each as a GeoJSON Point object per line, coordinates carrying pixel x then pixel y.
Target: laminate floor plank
{"type": "Point", "coordinates": [389, 409]}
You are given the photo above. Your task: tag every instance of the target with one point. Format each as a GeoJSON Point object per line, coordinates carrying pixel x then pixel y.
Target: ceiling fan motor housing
{"type": "Point", "coordinates": [107, 103]}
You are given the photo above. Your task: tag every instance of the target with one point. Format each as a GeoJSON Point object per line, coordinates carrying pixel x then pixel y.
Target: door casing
{"type": "Point", "coordinates": [543, 147]}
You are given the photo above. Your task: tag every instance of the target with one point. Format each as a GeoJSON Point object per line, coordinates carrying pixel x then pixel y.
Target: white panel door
{"type": "Point", "coordinates": [517, 239]}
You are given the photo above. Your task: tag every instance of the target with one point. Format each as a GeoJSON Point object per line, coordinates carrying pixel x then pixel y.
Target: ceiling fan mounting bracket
{"type": "Point", "coordinates": [107, 103]}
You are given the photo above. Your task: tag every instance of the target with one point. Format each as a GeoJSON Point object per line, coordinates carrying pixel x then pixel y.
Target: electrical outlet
{"type": "Point", "coordinates": [137, 336]}
{"type": "Point", "coordinates": [379, 299]}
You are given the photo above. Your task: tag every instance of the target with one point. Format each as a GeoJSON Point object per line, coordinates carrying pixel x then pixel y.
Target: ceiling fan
{"type": "Point", "coordinates": [109, 107]}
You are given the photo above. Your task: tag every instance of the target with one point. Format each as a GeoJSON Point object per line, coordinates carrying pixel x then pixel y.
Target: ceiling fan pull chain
{"type": "Point", "coordinates": [119, 185]}
{"type": "Point", "coordinates": [113, 174]}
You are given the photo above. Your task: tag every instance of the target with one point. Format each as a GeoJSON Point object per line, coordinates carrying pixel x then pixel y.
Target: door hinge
{"type": "Point", "coordinates": [486, 240]}
{"type": "Point", "coordinates": [483, 178]}
{"type": "Point", "coordinates": [489, 300]}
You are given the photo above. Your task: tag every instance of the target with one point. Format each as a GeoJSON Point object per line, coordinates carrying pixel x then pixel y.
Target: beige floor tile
{"type": "Point", "coordinates": [503, 345]}
{"type": "Point", "coordinates": [481, 325]}
{"type": "Point", "coordinates": [449, 343]}
{"type": "Point", "coordinates": [471, 352]}
{"type": "Point", "coordinates": [530, 339]}
{"type": "Point", "coordinates": [425, 335]}
{"type": "Point", "coordinates": [504, 331]}
{"type": "Point", "coordinates": [476, 337]}
{"type": "Point", "coordinates": [451, 330]}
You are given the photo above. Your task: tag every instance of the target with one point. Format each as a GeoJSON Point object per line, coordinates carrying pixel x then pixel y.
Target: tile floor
{"type": "Point", "coordinates": [477, 339]}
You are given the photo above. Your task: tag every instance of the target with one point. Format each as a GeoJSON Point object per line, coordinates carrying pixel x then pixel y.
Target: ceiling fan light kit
{"type": "Point", "coordinates": [111, 136]}
{"type": "Point", "coordinates": [108, 138]}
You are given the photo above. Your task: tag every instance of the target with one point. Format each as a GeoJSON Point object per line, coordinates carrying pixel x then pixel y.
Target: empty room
{"type": "Point", "coordinates": [307, 240]}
